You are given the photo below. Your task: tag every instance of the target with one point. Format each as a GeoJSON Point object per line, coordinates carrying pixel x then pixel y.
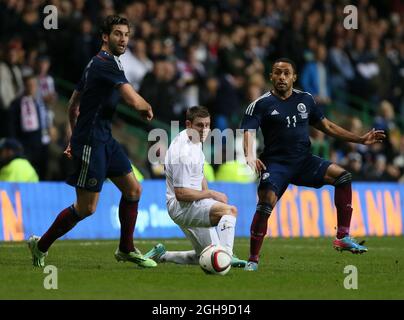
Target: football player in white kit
{"type": "Point", "coordinates": [203, 214]}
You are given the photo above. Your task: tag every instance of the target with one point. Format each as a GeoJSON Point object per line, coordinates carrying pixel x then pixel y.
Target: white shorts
{"type": "Point", "coordinates": [193, 218]}
{"type": "Point", "coordinates": [191, 214]}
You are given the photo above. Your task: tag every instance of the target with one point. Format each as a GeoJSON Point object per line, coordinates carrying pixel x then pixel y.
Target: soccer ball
{"type": "Point", "coordinates": [214, 259]}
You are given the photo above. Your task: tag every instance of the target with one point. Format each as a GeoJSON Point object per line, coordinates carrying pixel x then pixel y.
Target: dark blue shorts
{"type": "Point", "coordinates": [308, 172]}
{"type": "Point", "coordinates": [93, 164]}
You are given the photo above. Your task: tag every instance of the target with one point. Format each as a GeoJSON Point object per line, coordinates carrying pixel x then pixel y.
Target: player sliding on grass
{"type": "Point", "coordinates": [202, 214]}
{"type": "Point", "coordinates": [284, 116]}
{"type": "Point", "coordinates": [95, 153]}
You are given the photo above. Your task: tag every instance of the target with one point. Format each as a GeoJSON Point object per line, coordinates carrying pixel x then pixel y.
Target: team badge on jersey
{"type": "Point", "coordinates": [92, 182]}
{"type": "Point", "coordinates": [265, 176]}
{"type": "Point", "coordinates": [301, 107]}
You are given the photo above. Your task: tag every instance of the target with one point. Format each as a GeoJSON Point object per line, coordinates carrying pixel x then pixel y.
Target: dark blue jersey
{"type": "Point", "coordinates": [99, 96]}
{"type": "Point", "coordinates": [284, 124]}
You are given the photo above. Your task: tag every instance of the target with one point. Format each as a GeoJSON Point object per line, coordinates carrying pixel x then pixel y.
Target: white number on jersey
{"type": "Point", "coordinates": [293, 123]}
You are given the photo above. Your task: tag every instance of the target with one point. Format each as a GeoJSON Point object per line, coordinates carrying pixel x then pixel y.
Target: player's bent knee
{"type": "Point", "coordinates": [344, 178]}
{"type": "Point", "coordinates": [138, 190]}
{"type": "Point", "coordinates": [264, 208]}
{"type": "Point", "coordinates": [133, 194]}
{"type": "Point", "coordinates": [229, 210]}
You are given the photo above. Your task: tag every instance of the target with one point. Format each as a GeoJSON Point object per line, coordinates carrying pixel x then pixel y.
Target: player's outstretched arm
{"type": "Point", "coordinates": [73, 110]}
{"type": "Point", "coordinates": [332, 129]}
{"type": "Point", "coordinates": [250, 153]}
{"type": "Point", "coordinates": [135, 100]}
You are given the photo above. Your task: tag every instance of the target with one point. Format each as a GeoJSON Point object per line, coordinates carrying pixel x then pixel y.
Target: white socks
{"type": "Point", "coordinates": [180, 257]}
{"type": "Point", "coordinates": [225, 230]}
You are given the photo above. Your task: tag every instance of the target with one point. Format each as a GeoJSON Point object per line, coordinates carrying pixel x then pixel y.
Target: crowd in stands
{"type": "Point", "coordinates": [217, 54]}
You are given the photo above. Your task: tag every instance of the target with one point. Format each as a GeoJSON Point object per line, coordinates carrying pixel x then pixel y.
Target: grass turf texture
{"type": "Point", "coordinates": [289, 269]}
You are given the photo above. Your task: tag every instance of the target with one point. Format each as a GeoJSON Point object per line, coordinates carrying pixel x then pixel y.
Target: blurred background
{"type": "Point", "coordinates": [213, 53]}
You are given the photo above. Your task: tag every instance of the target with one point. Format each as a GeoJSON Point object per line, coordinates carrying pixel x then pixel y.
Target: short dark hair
{"type": "Point", "coordinates": [111, 21]}
{"type": "Point", "coordinates": [197, 111]}
{"type": "Point", "coordinates": [27, 77]}
{"type": "Point", "coordinates": [287, 60]}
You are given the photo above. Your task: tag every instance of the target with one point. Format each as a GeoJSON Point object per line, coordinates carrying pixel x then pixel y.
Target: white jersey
{"type": "Point", "coordinates": [183, 162]}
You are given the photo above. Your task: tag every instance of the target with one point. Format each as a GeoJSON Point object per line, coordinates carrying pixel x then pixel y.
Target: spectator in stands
{"type": "Point", "coordinates": [315, 79]}
{"type": "Point", "coordinates": [159, 88]}
{"type": "Point", "coordinates": [13, 167]}
{"type": "Point", "coordinates": [191, 74]}
{"type": "Point", "coordinates": [11, 84]}
{"type": "Point", "coordinates": [385, 121]}
{"type": "Point", "coordinates": [231, 54]}
{"type": "Point", "coordinates": [28, 122]}
{"type": "Point", "coordinates": [228, 100]}
{"type": "Point", "coordinates": [136, 63]}
{"type": "Point", "coordinates": [366, 69]}
{"type": "Point", "coordinates": [382, 82]}
{"type": "Point", "coordinates": [46, 83]}
{"type": "Point", "coordinates": [341, 71]}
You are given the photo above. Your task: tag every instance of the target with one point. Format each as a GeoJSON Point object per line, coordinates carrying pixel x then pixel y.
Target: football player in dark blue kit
{"type": "Point", "coordinates": [284, 116]}
{"type": "Point", "coordinates": [96, 154]}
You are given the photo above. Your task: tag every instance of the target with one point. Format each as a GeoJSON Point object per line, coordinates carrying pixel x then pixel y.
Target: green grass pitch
{"type": "Point", "coordinates": [289, 269]}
